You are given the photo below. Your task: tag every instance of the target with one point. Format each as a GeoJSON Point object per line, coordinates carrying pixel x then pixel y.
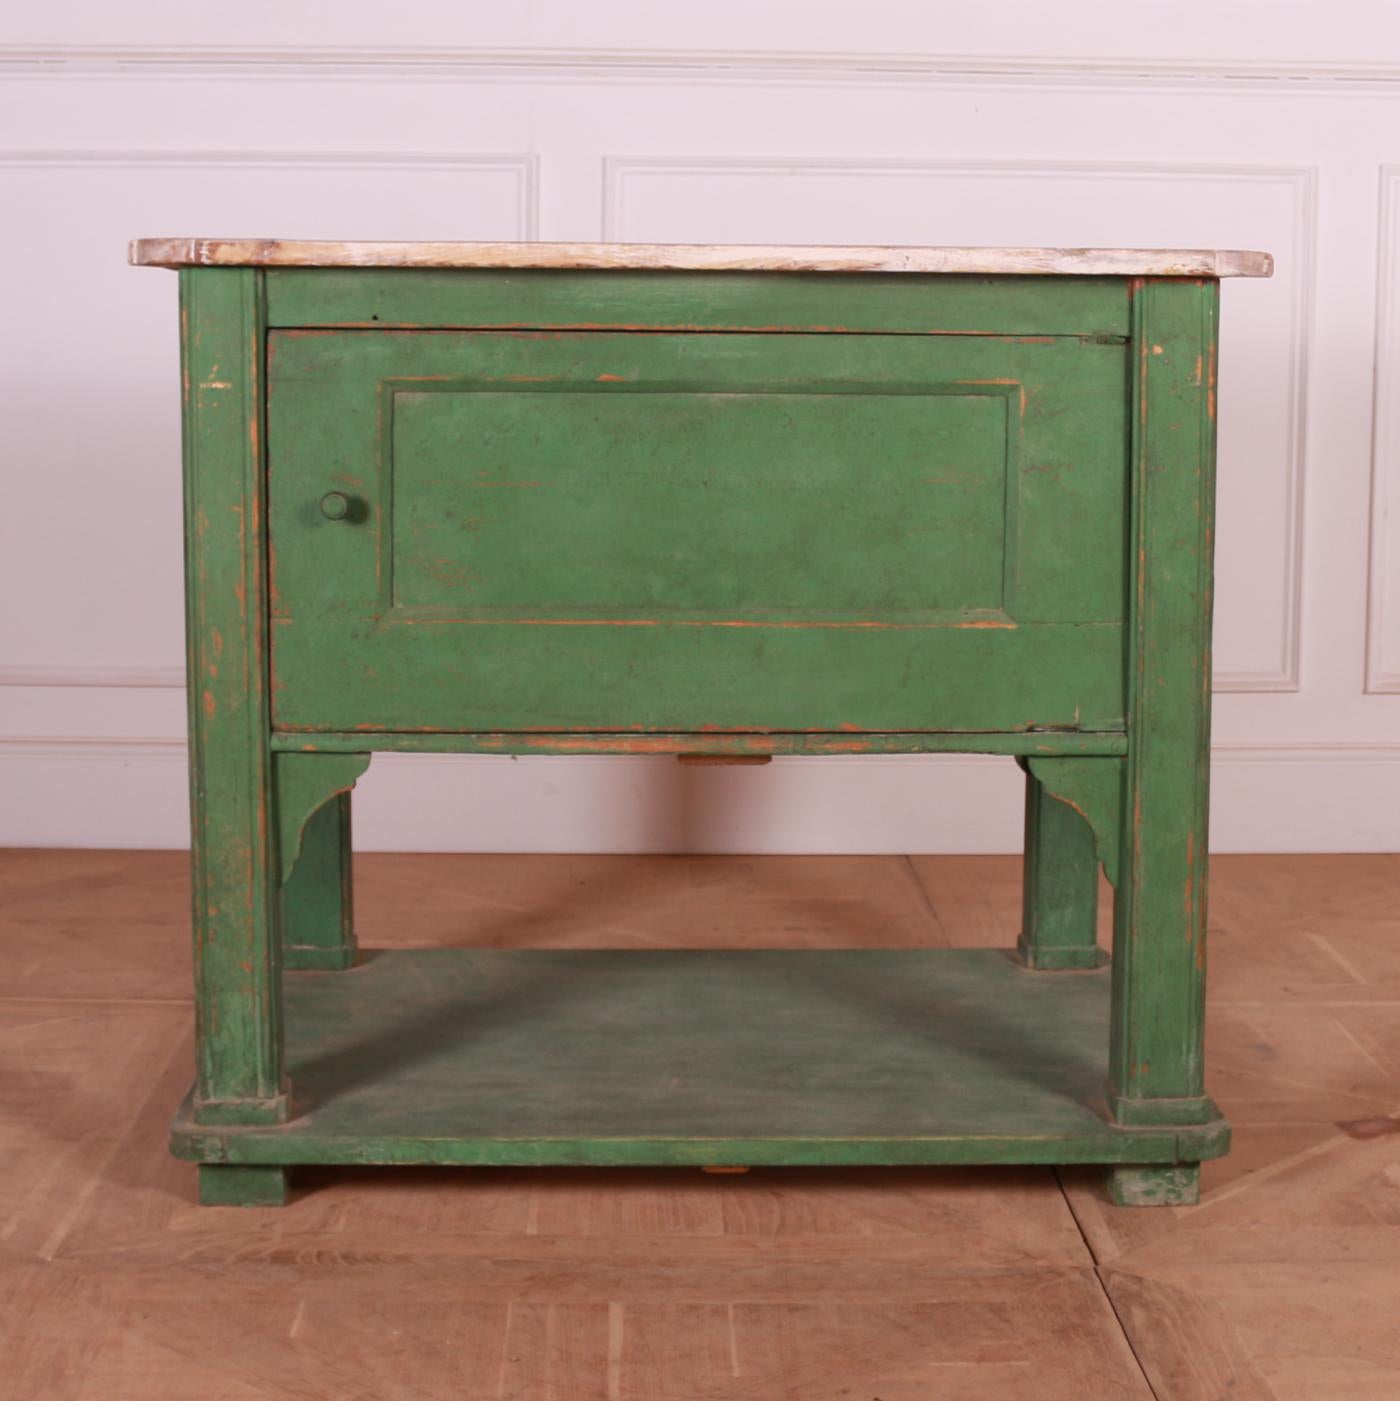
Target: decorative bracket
{"type": "Point", "coordinates": [1093, 786]}
{"type": "Point", "coordinates": [305, 783]}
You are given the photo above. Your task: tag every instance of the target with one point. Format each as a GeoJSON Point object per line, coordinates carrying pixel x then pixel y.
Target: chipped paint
{"type": "Point", "coordinates": [233, 436]}
{"type": "Point", "coordinates": [886, 258]}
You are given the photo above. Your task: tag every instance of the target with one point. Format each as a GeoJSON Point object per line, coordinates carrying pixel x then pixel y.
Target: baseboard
{"type": "Point", "coordinates": [104, 793]}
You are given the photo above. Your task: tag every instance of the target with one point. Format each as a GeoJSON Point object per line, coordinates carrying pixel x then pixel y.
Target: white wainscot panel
{"type": "Point", "coordinates": [91, 533]}
{"type": "Point", "coordinates": [1265, 324]}
{"type": "Point", "coordinates": [1383, 603]}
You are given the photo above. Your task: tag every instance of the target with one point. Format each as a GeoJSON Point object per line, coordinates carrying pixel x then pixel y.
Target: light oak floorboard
{"type": "Point", "coordinates": [898, 1284]}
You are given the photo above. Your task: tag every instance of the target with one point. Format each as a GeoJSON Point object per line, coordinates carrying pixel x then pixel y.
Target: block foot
{"type": "Point", "coordinates": [1172, 1184]}
{"type": "Point", "coordinates": [227, 1184]}
{"type": "Point", "coordinates": [1066, 958]}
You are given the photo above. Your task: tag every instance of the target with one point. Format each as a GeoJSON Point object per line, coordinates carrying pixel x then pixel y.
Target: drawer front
{"type": "Point", "coordinates": [685, 532]}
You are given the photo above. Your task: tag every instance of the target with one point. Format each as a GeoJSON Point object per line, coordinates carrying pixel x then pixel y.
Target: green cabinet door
{"type": "Point", "coordinates": [492, 531]}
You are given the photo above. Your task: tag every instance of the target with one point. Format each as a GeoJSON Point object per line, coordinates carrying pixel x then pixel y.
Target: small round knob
{"type": "Point", "coordinates": [335, 506]}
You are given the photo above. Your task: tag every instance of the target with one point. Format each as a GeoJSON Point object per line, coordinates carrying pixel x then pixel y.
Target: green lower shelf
{"type": "Point", "coordinates": [696, 1057]}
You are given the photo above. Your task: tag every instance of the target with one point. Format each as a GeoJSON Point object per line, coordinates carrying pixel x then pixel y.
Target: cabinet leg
{"type": "Point", "coordinates": [1156, 1052]}
{"type": "Point", "coordinates": [318, 923]}
{"type": "Point", "coordinates": [229, 1184]}
{"type": "Point", "coordinates": [1172, 1184]}
{"type": "Point", "coordinates": [1060, 894]}
{"type": "Point", "coordinates": [237, 945]}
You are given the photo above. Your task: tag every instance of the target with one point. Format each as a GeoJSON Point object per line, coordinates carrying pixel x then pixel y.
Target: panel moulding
{"type": "Point", "coordinates": [620, 171]}
{"type": "Point", "coordinates": [1382, 607]}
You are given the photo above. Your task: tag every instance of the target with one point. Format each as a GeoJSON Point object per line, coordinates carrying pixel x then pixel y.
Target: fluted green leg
{"type": "Point", "coordinates": [234, 860]}
{"type": "Point", "coordinates": [1156, 1052]}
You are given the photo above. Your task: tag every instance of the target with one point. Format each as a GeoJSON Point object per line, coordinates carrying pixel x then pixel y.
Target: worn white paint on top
{"type": "Point", "coordinates": [703, 257]}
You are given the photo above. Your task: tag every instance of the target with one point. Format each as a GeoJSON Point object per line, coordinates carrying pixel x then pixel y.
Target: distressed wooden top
{"type": "Point", "coordinates": [699, 257]}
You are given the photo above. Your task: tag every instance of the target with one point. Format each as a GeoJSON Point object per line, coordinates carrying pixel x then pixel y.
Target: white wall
{"type": "Point", "coordinates": [1201, 124]}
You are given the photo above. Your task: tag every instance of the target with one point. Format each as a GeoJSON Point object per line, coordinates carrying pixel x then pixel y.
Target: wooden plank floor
{"type": "Point", "coordinates": [890, 1284]}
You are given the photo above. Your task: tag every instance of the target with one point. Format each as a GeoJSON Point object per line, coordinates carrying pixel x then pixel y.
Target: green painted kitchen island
{"type": "Point", "coordinates": [730, 502]}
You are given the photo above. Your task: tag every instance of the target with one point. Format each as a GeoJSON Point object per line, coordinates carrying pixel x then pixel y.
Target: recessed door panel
{"type": "Point", "coordinates": [496, 531]}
